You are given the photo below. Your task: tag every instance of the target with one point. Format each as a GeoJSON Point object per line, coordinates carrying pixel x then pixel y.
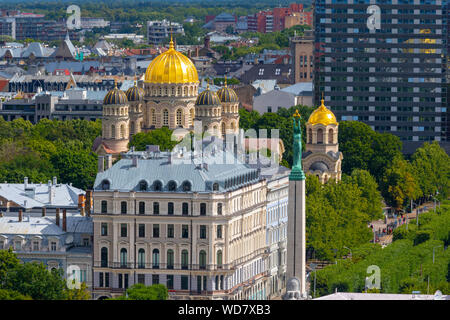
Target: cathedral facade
{"type": "Point", "coordinates": [322, 156]}
{"type": "Point", "coordinates": [169, 98]}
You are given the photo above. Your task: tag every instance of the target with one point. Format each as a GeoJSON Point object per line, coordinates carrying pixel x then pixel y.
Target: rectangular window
{"type": "Point", "coordinates": [35, 246]}
{"type": "Point", "coordinates": [185, 231]}
{"type": "Point", "coordinates": [219, 209]}
{"type": "Point", "coordinates": [155, 207]}
{"type": "Point", "coordinates": [170, 208]}
{"type": "Point", "coordinates": [126, 281]}
{"type": "Point", "coordinates": [120, 281]}
{"type": "Point", "coordinates": [141, 278]}
{"type": "Point", "coordinates": [107, 279]}
{"type": "Point", "coordinates": [141, 230]}
{"type": "Point", "coordinates": [170, 231]}
{"type": "Point", "coordinates": [219, 232]}
{"type": "Point", "coordinates": [141, 207]}
{"type": "Point", "coordinates": [104, 229]}
{"type": "Point", "coordinates": [202, 232]}
{"type": "Point", "coordinates": [86, 242]}
{"type": "Point", "coordinates": [156, 231]}
{"type": "Point", "coordinates": [101, 280]}
{"type": "Point", "coordinates": [184, 283]}
{"type": "Point", "coordinates": [170, 281]}
{"type": "Point", "coordinates": [123, 230]}
{"type": "Point", "coordinates": [104, 206]}
{"type": "Point", "coordinates": [155, 278]}
{"type": "Point", "coordinates": [53, 246]}
{"type": "Point", "coordinates": [123, 207]}
{"type": "Point", "coordinates": [203, 209]}
{"type": "Point", "coordinates": [185, 209]}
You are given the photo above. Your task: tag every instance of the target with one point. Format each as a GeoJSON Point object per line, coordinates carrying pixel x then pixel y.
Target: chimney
{"type": "Point", "coordinates": [89, 201]}
{"type": "Point", "coordinates": [54, 181]}
{"type": "Point", "coordinates": [57, 216]}
{"type": "Point", "coordinates": [197, 52]}
{"type": "Point", "coordinates": [82, 211]}
{"type": "Point", "coordinates": [135, 161]}
{"type": "Point", "coordinates": [43, 211]}
{"type": "Point", "coordinates": [101, 164]}
{"type": "Point", "coordinates": [64, 222]}
{"type": "Point", "coordinates": [25, 182]}
{"type": "Point", "coordinates": [20, 215]}
{"type": "Point", "coordinates": [108, 161]}
{"type": "Point", "coordinates": [50, 193]}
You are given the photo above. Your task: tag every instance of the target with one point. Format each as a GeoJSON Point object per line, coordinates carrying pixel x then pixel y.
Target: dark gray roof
{"type": "Point", "coordinates": [319, 165]}
{"type": "Point", "coordinates": [269, 71]}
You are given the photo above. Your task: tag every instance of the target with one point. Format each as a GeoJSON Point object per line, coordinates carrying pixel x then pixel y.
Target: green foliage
{"type": "Point", "coordinates": [36, 281]}
{"type": "Point", "coordinates": [12, 295]}
{"type": "Point", "coordinates": [431, 167]}
{"type": "Point", "coordinates": [221, 81]}
{"type": "Point", "coordinates": [49, 148]}
{"type": "Point", "coordinates": [8, 260]}
{"type": "Point", "coordinates": [142, 292]}
{"type": "Point", "coordinates": [398, 183]}
{"type": "Point", "coordinates": [78, 294]}
{"type": "Point", "coordinates": [406, 265]}
{"type": "Point", "coordinates": [161, 137]}
{"type": "Point", "coordinates": [336, 216]}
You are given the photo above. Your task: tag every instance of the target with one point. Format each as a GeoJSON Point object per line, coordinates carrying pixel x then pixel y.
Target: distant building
{"type": "Point", "coordinates": [221, 22]}
{"type": "Point", "coordinates": [159, 31]}
{"type": "Point", "coordinates": [130, 36]}
{"type": "Point", "coordinates": [302, 51]}
{"type": "Point", "coordinates": [303, 92]}
{"type": "Point", "coordinates": [90, 23]}
{"type": "Point", "coordinates": [273, 101]}
{"type": "Point", "coordinates": [282, 73]}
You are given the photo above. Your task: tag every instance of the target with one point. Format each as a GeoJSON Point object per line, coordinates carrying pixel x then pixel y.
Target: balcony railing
{"type": "Point", "coordinates": [164, 266]}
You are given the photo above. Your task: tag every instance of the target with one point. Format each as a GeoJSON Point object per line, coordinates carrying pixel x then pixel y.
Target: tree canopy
{"type": "Point", "coordinates": [161, 137]}
{"type": "Point", "coordinates": [140, 291]}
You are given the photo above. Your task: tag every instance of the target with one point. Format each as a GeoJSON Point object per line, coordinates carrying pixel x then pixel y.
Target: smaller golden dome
{"type": "Point", "coordinates": [115, 96]}
{"type": "Point", "coordinates": [207, 98]}
{"type": "Point", "coordinates": [322, 115]}
{"type": "Point", "coordinates": [227, 94]}
{"type": "Point", "coordinates": [135, 93]}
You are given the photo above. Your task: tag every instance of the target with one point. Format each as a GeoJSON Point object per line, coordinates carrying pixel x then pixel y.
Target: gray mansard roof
{"type": "Point", "coordinates": [219, 167]}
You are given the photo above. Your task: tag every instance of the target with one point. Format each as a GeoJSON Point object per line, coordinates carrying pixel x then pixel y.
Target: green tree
{"type": "Point", "coordinates": [140, 291]}
{"type": "Point", "coordinates": [398, 184]}
{"type": "Point", "coordinates": [12, 295]}
{"type": "Point", "coordinates": [161, 137]}
{"type": "Point", "coordinates": [431, 167]}
{"type": "Point", "coordinates": [8, 261]}
{"type": "Point", "coordinates": [81, 293]}
{"type": "Point", "coordinates": [34, 280]}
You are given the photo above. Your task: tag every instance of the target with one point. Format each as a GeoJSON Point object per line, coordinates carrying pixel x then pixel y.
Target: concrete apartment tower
{"type": "Point", "coordinates": [296, 249]}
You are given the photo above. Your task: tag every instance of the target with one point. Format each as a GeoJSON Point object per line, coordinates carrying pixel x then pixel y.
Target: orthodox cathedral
{"type": "Point", "coordinates": [169, 98]}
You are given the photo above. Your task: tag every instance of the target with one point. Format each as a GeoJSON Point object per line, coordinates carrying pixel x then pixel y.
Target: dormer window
{"type": "Point", "coordinates": [216, 187]}
{"type": "Point", "coordinates": [157, 185]}
{"type": "Point", "coordinates": [143, 185]}
{"type": "Point", "coordinates": [106, 185]}
{"type": "Point", "coordinates": [172, 185]}
{"type": "Point", "coordinates": [187, 186]}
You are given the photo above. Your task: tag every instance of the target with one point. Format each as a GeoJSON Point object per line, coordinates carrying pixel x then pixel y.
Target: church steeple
{"type": "Point", "coordinates": [297, 170]}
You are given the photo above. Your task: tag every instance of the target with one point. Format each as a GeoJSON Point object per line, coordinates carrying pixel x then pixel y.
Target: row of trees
{"type": "Point", "coordinates": [47, 149]}
{"type": "Point", "coordinates": [32, 281]}
{"type": "Point", "coordinates": [406, 265]}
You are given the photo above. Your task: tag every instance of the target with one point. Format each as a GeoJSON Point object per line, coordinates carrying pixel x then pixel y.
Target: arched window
{"type": "Point", "coordinates": [104, 257]}
{"type": "Point", "coordinates": [157, 185]}
{"type": "Point", "coordinates": [166, 117]}
{"type": "Point", "coordinates": [104, 206]}
{"type": "Point", "coordinates": [185, 91]}
{"type": "Point", "coordinates": [184, 259]}
{"type": "Point", "coordinates": [123, 258]}
{"type": "Point", "coordinates": [215, 186]}
{"type": "Point", "coordinates": [179, 117]}
{"type": "Point", "coordinates": [122, 131]}
{"type": "Point", "coordinates": [123, 207]}
{"type": "Point", "coordinates": [319, 136]}
{"type": "Point", "coordinates": [113, 131]}
{"type": "Point", "coordinates": [170, 259]}
{"type": "Point", "coordinates": [223, 128]}
{"type": "Point", "coordinates": [179, 91]}
{"type": "Point", "coordinates": [219, 258]}
{"type": "Point", "coordinates": [143, 185]}
{"type": "Point", "coordinates": [132, 127]}
{"type": "Point", "coordinates": [330, 136]}
{"type": "Point", "coordinates": [141, 258]}
{"type": "Point", "coordinates": [202, 259]}
{"type": "Point", "coordinates": [105, 185]}
{"type": "Point", "coordinates": [155, 258]}
{"type": "Point", "coordinates": [172, 185]}
{"type": "Point", "coordinates": [187, 186]}
{"type": "Point", "coordinates": [310, 135]}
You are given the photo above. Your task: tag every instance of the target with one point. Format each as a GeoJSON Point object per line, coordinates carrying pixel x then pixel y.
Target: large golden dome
{"type": "Point", "coordinates": [171, 67]}
{"type": "Point", "coordinates": [322, 115]}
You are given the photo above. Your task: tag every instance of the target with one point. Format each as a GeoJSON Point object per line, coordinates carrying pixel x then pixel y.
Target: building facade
{"type": "Point", "coordinates": [159, 31]}
{"type": "Point", "coordinates": [302, 52]}
{"type": "Point", "coordinates": [195, 224]}
{"type": "Point", "coordinates": [383, 65]}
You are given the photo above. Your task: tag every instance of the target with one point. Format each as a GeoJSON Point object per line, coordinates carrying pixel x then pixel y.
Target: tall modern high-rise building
{"type": "Point", "coordinates": [383, 62]}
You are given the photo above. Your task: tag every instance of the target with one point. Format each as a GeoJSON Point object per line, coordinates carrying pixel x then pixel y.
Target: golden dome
{"type": "Point", "coordinates": [171, 67]}
{"type": "Point", "coordinates": [207, 98]}
{"type": "Point", "coordinates": [322, 115]}
{"type": "Point", "coordinates": [135, 93]}
{"type": "Point", "coordinates": [227, 94]}
{"type": "Point", "coordinates": [115, 96]}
